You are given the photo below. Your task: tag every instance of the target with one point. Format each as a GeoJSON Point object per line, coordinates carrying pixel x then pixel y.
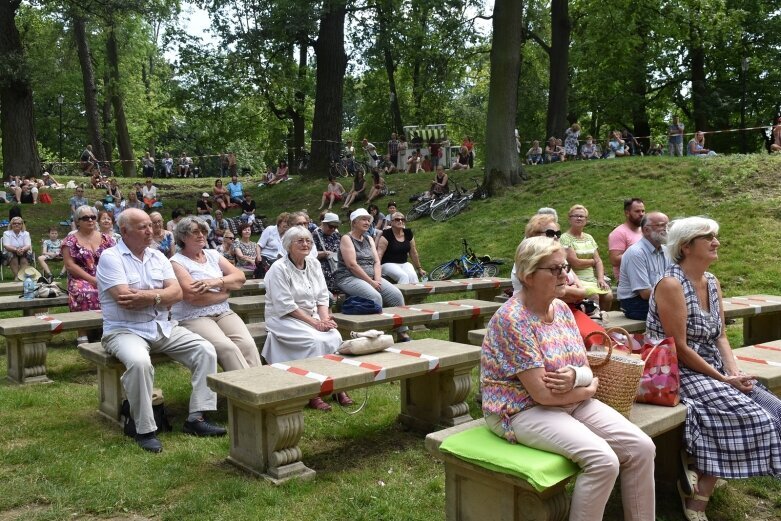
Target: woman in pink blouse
{"type": "Point", "coordinates": [538, 390]}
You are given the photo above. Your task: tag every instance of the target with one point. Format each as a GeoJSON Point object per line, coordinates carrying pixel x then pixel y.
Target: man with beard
{"type": "Point", "coordinates": [626, 234]}
{"type": "Point", "coordinates": [642, 265]}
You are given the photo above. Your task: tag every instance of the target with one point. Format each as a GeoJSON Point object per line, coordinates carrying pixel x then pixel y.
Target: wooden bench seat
{"type": "Point", "coordinates": [460, 315]}
{"type": "Point", "coordinates": [475, 492]}
{"type": "Point", "coordinates": [485, 288]}
{"type": "Point", "coordinates": [110, 369]}
{"type": "Point", "coordinates": [265, 404]}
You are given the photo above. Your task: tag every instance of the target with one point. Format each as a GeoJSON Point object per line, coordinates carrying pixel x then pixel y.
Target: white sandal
{"type": "Point", "coordinates": [688, 514]}
{"type": "Point", "coordinates": [690, 485]}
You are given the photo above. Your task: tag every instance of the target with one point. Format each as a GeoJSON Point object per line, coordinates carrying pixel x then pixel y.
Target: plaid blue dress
{"type": "Point", "coordinates": [730, 434]}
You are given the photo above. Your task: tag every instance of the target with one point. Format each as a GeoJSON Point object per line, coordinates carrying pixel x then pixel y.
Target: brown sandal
{"type": "Point", "coordinates": [343, 399]}
{"type": "Point", "coordinates": [319, 404]}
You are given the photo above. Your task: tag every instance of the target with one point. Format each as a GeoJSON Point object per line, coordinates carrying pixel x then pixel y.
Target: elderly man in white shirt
{"type": "Point", "coordinates": [137, 285]}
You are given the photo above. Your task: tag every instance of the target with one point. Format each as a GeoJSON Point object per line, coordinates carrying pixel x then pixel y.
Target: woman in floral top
{"type": "Point", "coordinates": [80, 254]}
{"type": "Point", "coordinates": [538, 390]}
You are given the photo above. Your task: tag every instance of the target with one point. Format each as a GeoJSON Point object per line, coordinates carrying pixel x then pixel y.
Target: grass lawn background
{"type": "Point", "coordinates": [59, 460]}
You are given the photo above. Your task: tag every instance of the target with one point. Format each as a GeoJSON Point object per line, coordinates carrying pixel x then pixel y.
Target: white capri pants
{"type": "Point", "coordinates": [401, 273]}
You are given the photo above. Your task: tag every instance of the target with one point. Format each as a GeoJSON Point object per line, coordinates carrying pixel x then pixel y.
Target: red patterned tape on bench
{"type": "Point", "coordinates": [757, 360]}
{"type": "Point", "coordinates": [433, 361]}
{"type": "Point", "coordinates": [434, 314]}
{"type": "Point", "coordinates": [771, 348]}
{"type": "Point", "coordinates": [55, 324]}
{"type": "Point", "coordinates": [398, 320]}
{"type": "Point", "coordinates": [326, 382]}
{"type": "Point", "coordinates": [379, 371]}
{"type": "Point", "coordinates": [475, 309]}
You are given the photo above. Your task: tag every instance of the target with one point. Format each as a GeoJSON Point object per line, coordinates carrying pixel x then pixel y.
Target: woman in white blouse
{"type": "Point", "coordinates": [206, 278]}
{"type": "Point", "coordinates": [17, 248]}
{"type": "Point", "coordinates": [298, 321]}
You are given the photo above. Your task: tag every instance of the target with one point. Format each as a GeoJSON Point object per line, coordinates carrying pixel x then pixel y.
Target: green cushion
{"type": "Point", "coordinates": [485, 449]}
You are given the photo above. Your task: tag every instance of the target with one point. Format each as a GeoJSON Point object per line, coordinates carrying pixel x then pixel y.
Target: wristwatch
{"type": "Point", "coordinates": [158, 299]}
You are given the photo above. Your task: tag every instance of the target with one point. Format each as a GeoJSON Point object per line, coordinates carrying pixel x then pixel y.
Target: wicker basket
{"type": "Point", "coordinates": [619, 376]}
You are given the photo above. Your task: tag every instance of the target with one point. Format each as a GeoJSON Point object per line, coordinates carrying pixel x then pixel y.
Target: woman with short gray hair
{"type": "Point", "coordinates": [207, 278]}
{"type": "Point", "coordinates": [733, 423]}
{"type": "Point", "coordinates": [298, 320]}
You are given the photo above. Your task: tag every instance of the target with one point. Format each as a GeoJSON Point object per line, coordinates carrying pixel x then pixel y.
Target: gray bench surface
{"type": "Point", "coordinates": [484, 287]}
{"type": "Point", "coordinates": [265, 404]}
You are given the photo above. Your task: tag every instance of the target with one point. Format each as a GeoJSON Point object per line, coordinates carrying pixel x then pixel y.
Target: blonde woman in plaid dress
{"type": "Point", "coordinates": [733, 424]}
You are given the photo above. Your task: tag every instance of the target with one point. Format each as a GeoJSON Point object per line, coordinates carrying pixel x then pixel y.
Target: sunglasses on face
{"type": "Point", "coordinates": [550, 233]}
{"type": "Point", "coordinates": [399, 220]}
{"type": "Point", "coordinates": [557, 270]}
{"type": "Point", "coordinates": [88, 218]}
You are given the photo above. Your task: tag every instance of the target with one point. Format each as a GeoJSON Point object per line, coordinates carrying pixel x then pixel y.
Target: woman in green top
{"type": "Point", "coordinates": [583, 256]}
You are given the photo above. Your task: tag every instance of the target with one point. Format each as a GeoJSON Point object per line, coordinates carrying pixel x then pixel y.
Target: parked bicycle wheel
{"type": "Point", "coordinates": [439, 213]}
{"type": "Point", "coordinates": [443, 271]}
{"type": "Point", "coordinates": [419, 210]}
{"type": "Point", "coordinates": [490, 270]}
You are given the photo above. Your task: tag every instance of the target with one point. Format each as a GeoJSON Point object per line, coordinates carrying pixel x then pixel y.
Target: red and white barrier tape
{"type": "Point", "coordinates": [433, 361]}
{"type": "Point", "coordinates": [770, 348]}
{"type": "Point", "coordinates": [56, 325]}
{"type": "Point", "coordinates": [326, 382]}
{"type": "Point", "coordinates": [475, 309]}
{"type": "Point", "coordinates": [398, 320]}
{"type": "Point", "coordinates": [434, 314]}
{"type": "Point", "coordinates": [757, 360]}
{"type": "Point", "coordinates": [379, 371]}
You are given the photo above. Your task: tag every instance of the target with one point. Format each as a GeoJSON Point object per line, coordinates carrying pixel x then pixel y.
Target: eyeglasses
{"type": "Point", "coordinates": [550, 233]}
{"type": "Point", "coordinates": [88, 218]}
{"type": "Point", "coordinates": [577, 217]}
{"type": "Point", "coordinates": [708, 237]}
{"type": "Point", "coordinates": [196, 231]}
{"type": "Point", "coordinates": [303, 242]}
{"type": "Point", "coordinates": [332, 226]}
{"type": "Point", "coordinates": [399, 220]}
{"type": "Point", "coordinates": [556, 270]}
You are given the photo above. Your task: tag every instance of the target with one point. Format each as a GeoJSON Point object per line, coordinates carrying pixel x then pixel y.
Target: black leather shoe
{"type": "Point", "coordinates": [201, 427]}
{"type": "Point", "coordinates": [149, 442]}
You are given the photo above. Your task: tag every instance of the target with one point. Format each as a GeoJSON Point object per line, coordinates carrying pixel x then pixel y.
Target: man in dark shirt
{"type": "Point", "coordinates": [248, 209]}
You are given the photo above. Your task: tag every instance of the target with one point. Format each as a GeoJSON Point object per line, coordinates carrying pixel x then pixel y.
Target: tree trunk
{"type": "Point", "coordinates": [20, 148]}
{"type": "Point", "coordinates": [90, 88]}
{"type": "Point", "coordinates": [502, 167]}
{"type": "Point", "coordinates": [126, 156]}
{"type": "Point", "coordinates": [558, 87]}
{"type": "Point", "coordinates": [108, 136]}
{"type": "Point", "coordinates": [331, 66]}
{"type": "Point", "coordinates": [699, 89]}
{"type": "Point", "coordinates": [385, 12]}
{"type": "Point", "coordinates": [297, 114]}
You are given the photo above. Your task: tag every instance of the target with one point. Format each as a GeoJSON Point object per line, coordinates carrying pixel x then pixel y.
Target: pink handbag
{"type": "Point", "coordinates": [661, 379]}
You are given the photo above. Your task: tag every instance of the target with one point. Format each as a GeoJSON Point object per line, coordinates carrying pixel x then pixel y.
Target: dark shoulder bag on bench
{"type": "Point", "coordinates": [160, 414]}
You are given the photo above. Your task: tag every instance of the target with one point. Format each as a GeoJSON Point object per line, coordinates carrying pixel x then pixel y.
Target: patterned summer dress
{"type": "Point", "coordinates": [83, 296]}
{"type": "Point", "coordinates": [729, 433]}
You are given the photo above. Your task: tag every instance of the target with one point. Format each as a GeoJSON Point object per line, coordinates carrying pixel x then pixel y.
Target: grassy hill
{"type": "Point", "coordinates": [59, 460]}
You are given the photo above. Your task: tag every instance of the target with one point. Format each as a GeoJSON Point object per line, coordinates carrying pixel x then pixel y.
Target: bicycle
{"type": "Point", "coordinates": [336, 167]}
{"type": "Point", "coordinates": [426, 205]}
{"type": "Point", "coordinates": [460, 201]}
{"type": "Point", "coordinates": [467, 264]}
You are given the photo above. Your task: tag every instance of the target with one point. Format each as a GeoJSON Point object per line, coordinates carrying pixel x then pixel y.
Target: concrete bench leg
{"type": "Point", "coordinates": [761, 328]}
{"type": "Point", "coordinates": [264, 442]}
{"type": "Point", "coordinates": [473, 493]}
{"type": "Point", "coordinates": [459, 329]}
{"type": "Point", "coordinates": [110, 391]}
{"type": "Point", "coordinates": [436, 400]}
{"type": "Point", "coordinates": [253, 317]}
{"type": "Point", "coordinates": [487, 294]}
{"type": "Point", "coordinates": [27, 358]}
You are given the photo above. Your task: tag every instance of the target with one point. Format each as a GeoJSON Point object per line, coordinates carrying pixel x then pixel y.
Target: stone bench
{"type": "Point", "coordinates": [265, 404]}
{"type": "Point", "coordinates": [485, 288]}
{"type": "Point", "coordinates": [761, 360]}
{"type": "Point", "coordinates": [475, 492]}
{"type": "Point", "coordinates": [250, 287]}
{"type": "Point", "coordinates": [761, 316]}
{"type": "Point", "coordinates": [32, 306]}
{"type": "Point", "coordinates": [11, 288]}
{"type": "Point", "coordinates": [461, 316]}
{"type": "Point", "coordinates": [110, 369]}
{"type": "Point", "coordinates": [27, 338]}
{"type": "Point", "coordinates": [251, 308]}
